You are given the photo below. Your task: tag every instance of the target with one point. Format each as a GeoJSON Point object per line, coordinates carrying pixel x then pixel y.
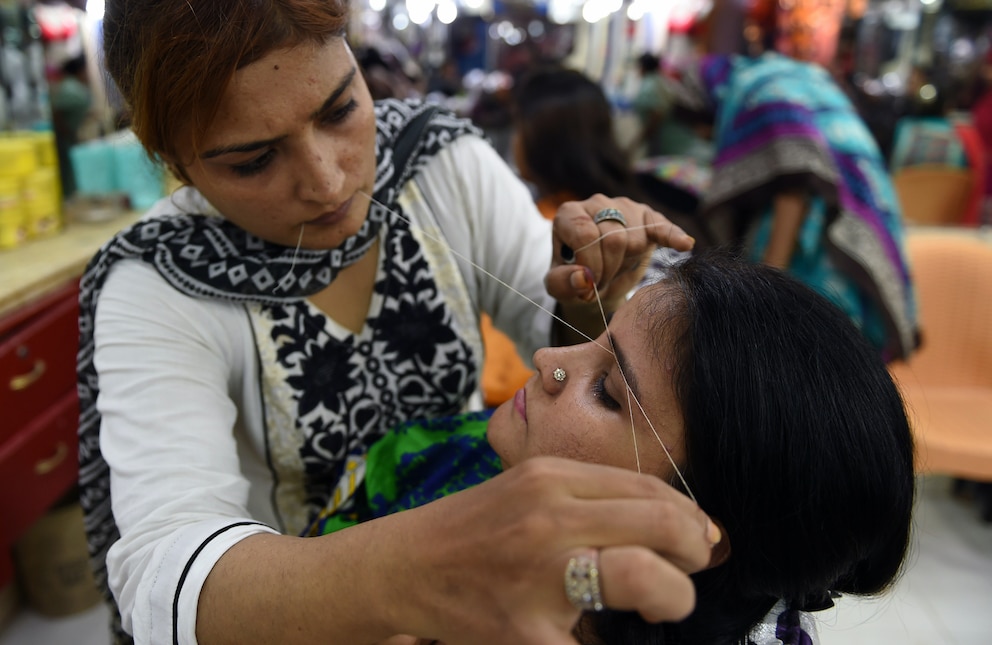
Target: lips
{"type": "Point", "coordinates": [333, 217]}
{"type": "Point", "coordinates": [520, 403]}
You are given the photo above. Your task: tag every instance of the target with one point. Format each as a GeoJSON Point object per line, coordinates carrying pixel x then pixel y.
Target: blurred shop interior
{"type": "Point", "coordinates": [894, 58]}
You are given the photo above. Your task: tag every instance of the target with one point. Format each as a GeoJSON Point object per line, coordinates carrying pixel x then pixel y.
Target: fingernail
{"type": "Point", "coordinates": [581, 280]}
{"type": "Point", "coordinates": [713, 534]}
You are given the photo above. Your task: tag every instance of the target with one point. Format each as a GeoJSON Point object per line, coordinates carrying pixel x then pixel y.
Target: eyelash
{"type": "Point", "coordinates": [259, 164]}
{"type": "Point", "coordinates": [340, 114]}
{"type": "Point", "coordinates": [599, 391]}
{"type": "Point", "coordinates": [254, 166]}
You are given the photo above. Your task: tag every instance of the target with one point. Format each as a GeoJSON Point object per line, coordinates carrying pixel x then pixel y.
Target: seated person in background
{"type": "Point", "coordinates": [730, 381]}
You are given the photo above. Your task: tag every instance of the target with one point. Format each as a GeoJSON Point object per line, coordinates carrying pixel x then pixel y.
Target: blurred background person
{"type": "Point", "coordinates": [662, 133]}
{"type": "Point", "coordinates": [564, 141]}
{"type": "Point", "coordinates": [799, 181]}
{"type": "Point", "coordinates": [71, 100]}
{"type": "Point", "coordinates": [386, 75]}
{"type": "Point", "coordinates": [934, 135]}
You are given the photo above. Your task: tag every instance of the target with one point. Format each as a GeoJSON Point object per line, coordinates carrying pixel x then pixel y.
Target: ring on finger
{"type": "Point", "coordinates": [610, 215]}
{"type": "Point", "coordinates": [582, 582]}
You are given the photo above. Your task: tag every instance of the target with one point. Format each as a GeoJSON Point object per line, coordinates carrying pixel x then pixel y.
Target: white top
{"type": "Point", "coordinates": [182, 418]}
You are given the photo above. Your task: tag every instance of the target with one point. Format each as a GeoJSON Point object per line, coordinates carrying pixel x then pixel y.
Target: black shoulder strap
{"type": "Point", "coordinates": [408, 143]}
{"type": "Point", "coordinates": [409, 140]}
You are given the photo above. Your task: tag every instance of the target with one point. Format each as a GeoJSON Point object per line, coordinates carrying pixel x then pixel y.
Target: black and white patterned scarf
{"type": "Point", "coordinates": [205, 256]}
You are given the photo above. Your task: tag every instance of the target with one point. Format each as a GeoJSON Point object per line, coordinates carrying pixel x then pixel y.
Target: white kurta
{"type": "Point", "coordinates": [182, 417]}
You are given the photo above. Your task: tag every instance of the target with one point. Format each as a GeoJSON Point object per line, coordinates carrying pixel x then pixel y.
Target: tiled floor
{"type": "Point", "coordinates": [945, 597]}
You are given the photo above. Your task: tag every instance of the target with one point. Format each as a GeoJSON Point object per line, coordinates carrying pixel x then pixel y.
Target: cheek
{"type": "Point", "coordinates": [245, 205]}
{"type": "Point", "coordinates": [658, 459]}
{"type": "Point", "coordinates": [590, 440]}
{"type": "Point", "coordinates": [359, 155]}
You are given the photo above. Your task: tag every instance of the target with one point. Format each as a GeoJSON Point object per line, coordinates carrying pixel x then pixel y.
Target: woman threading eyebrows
{"type": "Point", "coordinates": [727, 379]}
{"type": "Point", "coordinates": [245, 344]}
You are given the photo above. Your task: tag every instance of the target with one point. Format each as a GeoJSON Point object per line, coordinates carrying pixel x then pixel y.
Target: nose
{"type": "Point", "coordinates": [320, 177]}
{"type": "Point", "coordinates": [546, 361]}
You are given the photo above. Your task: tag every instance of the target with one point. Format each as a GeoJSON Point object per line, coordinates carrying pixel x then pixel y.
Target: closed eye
{"type": "Point", "coordinates": [599, 391]}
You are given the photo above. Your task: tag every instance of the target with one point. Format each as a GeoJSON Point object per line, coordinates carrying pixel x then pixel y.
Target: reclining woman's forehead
{"type": "Point", "coordinates": [659, 310]}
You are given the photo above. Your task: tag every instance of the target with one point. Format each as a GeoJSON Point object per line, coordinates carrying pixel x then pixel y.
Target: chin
{"type": "Point", "coordinates": [497, 429]}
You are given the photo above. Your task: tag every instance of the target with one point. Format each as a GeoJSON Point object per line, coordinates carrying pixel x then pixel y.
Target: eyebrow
{"type": "Point", "coordinates": [259, 145]}
{"type": "Point", "coordinates": [628, 373]}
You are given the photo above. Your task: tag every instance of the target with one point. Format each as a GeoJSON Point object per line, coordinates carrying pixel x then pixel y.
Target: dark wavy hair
{"type": "Point", "coordinates": [797, 441]}
{"type": "Point", "coordinates": [564, 124]}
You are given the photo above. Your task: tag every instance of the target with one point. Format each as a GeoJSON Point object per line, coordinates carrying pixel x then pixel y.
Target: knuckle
{"type": "Point", "coordinates": [663, 520]}
{"type": "Point", "coordinates": [534, 528]}
{"type": "Point", "coordinates": [536, 471]}
{"type": "Point", "coordinates": [666, 597]}
{"type": "Point", "coordinates": [628, 204]}
{"type": "Point", "coordinates": [683, 601]}
{"type": "Point", "coordinates": [616, 243]}
{"type": "Point", "coordinates": [678, 598]}
{"type": "Point", "coordinates": [652, 486]}
{"type": "Point", "coordinates": [635, 576]}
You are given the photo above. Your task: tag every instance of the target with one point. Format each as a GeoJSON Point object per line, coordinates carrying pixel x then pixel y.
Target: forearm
{"type": "Point", "coordinates": [339, 588]}
{"type": "Point", "coordinates": [480, 566]}
{"type": "Point", "coordinates": [789, 211]}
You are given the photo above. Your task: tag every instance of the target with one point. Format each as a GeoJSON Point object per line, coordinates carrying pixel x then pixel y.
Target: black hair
{"type": "Point", "coordinates": [797, 441]}
{"type": "Point", "coordinates": [648, 63]}
{"type": "Point", "coordinates": [565, 127]}
{"type": "Point", "coordinates": [74, 65]}
{"type": "Point", "coordinates": [567, 145]}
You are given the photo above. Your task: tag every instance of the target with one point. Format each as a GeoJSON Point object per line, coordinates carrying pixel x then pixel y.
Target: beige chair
{"type": "Point", "coordinates": [947, 383]}
{"type": "Point", "coordinates": [934, 195]}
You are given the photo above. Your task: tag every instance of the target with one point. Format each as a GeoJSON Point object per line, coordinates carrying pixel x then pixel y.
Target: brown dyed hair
{"type": "Point", "coordinates": [172, 60]}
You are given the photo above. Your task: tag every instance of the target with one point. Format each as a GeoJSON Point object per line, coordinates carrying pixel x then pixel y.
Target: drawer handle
{"type": "Point", "coordinates": [46, 466]}
{"type": "Point", "coordinates": [25, 381]}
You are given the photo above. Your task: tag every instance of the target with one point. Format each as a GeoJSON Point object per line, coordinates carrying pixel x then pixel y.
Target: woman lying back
{"type": "Point", "coordinates": [779, 415]}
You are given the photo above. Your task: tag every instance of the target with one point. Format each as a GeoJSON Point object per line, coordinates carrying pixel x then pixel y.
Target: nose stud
{"type": "Point", "coordinates": [559, 374]}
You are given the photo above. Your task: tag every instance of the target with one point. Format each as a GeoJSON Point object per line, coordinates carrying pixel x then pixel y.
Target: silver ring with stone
{"type": "Point", "coordinates": [582, 582]}
{"type": "Point", "coordinates": [610, 215]}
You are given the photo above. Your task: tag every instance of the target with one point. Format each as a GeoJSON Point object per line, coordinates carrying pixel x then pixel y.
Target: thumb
{"type": "Point", "coordinates": [570, 284]}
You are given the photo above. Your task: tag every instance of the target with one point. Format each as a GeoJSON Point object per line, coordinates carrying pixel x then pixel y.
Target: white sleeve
{"type": "Point", "coordinates": [168, 365]}
{"type": "Point", "coordinates": [489, 215]}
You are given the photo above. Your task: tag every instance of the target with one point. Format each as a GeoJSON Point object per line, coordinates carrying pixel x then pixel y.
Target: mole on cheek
{"type": "Point", "coordinates": [275, 67]}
